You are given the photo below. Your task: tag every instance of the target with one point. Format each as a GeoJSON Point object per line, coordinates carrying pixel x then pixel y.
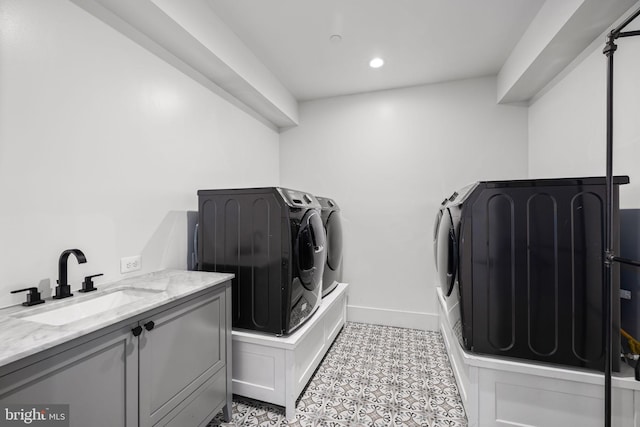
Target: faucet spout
{"type": "Point", "coordinates": [63, 290]}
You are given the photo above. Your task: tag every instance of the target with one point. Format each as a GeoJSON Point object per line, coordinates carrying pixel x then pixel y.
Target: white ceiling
{"type": "Point", "coordinates": [421, 41]}
{"type": "Point", "coordinates": [266, 55]}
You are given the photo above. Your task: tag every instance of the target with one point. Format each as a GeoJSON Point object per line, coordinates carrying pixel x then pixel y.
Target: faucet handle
{"type": "Point", "coordinates": [33, 297]}
{"type": "Point", "coordinates": [87, 284]}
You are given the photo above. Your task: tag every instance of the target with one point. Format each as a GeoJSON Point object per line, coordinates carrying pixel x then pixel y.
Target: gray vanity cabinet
{"type": "Point", "coordinates": [183, 361]}
{"type": "Point", "coordinates": [175, 370]}
{"type": "Point", "coordinates": [97, 379]}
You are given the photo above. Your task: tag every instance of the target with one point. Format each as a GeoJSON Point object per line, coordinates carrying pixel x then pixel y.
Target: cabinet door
{"type": "Point", "coordinates": [97, 379]}
{"type": "Point", "coordinates": [184, 348]}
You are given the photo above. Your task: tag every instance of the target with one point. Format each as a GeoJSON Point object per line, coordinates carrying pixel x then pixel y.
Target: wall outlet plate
{"type": "Point", "coordinates": [129, 264]}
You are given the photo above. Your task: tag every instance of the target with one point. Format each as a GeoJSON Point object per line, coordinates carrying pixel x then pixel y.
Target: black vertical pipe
{"type": "Point", "coordinates": [608, 229]}
{"type": "Point", "coordinates": [609, 255]}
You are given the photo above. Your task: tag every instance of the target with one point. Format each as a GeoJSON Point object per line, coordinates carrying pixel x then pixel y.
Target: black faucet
{"type": "Point", "coordinates": [63, 290]}
{"type": "Point", "coordinates": [33, 298]}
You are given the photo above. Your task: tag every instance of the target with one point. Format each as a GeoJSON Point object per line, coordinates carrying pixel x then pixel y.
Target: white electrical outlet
{"type": "Point", "coordinates": [129, 264]}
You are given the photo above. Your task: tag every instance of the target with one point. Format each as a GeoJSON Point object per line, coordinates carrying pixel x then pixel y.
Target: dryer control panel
{"type": "Point", "coordinates": [299, 199]}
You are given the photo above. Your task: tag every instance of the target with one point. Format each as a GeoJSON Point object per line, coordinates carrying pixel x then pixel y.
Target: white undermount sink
{"type": "Point", "coordinates": [77, 310]}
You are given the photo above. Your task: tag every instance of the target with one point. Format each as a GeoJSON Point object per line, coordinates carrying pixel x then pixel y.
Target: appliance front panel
{"type": "Point", "coordinates": [447, 253]}
{"type": "Point", "coordinates": [334, 241]}
{"type": "Point", "coordinates": [332, 220]}
{"type": "Point", "coordinates": [309, 263]}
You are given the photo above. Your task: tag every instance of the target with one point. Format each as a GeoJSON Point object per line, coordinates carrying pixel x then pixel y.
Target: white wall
{"type": "Point", "coordinates": [103, 147]}
{"type": "Point", "coordinates": [567, 124]}
{"type": "Point", "coordinates": [389, 158]}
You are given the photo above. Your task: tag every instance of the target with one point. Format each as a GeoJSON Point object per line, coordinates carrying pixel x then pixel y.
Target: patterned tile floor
{"type": "Point", "coordinates": [372, 376]}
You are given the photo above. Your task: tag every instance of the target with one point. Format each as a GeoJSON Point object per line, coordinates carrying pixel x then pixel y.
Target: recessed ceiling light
{"type": "Point", "coordinates": [376, 63]}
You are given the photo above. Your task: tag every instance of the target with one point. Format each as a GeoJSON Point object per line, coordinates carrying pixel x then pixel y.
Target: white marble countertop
{"type": "Point", "coordinates": [21, 338]}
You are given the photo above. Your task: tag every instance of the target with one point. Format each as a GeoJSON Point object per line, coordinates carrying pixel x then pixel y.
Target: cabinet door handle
{"type": "Point", "coordinates": [149, 325]}
{"type": "Point", "coordinates": [136, 331]}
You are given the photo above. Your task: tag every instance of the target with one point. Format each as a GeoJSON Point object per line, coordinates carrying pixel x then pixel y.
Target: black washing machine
{"type": "Point", "coordinates": [273, 240]}
{"type": "Point", "coordinates": [332, 220]}
{"type": "Point", "coordinates": [522, 263]}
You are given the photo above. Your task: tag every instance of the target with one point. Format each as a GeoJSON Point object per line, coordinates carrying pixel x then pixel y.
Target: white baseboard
{"type": "Point", "coordinates": [398, 318]}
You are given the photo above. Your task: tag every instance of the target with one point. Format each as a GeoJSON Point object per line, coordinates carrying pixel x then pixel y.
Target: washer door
{"type": "Point", "coordinates": [334, 240]}
{"type": "Point", "coordinates": [436, 228]}
{"type": "Point", "coordinates": [311, 250]}
{"type": "Point", "coordinates": [447, 253]}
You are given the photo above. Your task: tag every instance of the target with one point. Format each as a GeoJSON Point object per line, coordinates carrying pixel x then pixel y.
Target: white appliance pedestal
{"type": "Point", "coordinates": [508, 392]}
{"type": "Point", "coordinates": [276, 369]}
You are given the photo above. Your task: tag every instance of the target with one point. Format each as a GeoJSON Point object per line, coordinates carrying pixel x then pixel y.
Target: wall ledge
{"type": "Point", "coordinates": [557, 35]}
{"type": "Point", "coordinates": [178, 33]}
